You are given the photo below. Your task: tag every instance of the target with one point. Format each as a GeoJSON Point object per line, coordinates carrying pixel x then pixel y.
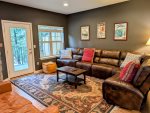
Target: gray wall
{"type": "Point", "coordinates": [135, 12]}
{"type": "Point", "coordinates": [36, 17]}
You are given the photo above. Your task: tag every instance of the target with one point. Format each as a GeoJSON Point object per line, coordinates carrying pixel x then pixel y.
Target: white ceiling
{"type": "Point", "coordinates": [57, 5]}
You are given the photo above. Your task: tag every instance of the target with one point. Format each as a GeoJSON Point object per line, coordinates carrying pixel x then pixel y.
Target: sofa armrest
{"type": "Point", "coordinates": [5, 87]}
{"type": "Point", "coordinates": [142, 74]}
{"type": "Point", "coordinates": [115, 81]}
{"type": "Point", "coordinates": [51, 109]}
{"type": "Point", "coordinates": [119, 92]}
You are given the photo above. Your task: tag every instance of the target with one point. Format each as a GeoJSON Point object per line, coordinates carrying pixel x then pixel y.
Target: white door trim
{"type": "Point", "coordinates": [5, 41]}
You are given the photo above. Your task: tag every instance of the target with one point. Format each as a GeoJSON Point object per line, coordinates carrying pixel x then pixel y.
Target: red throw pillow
{"type": "Point", "coordinates": [129, 71]}
{"type": "Point", "coordinates": [88, 55]}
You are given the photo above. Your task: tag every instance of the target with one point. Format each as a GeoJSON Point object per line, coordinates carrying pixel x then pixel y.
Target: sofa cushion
{"type": "Point", "coordinates": [81, 51]}
{"type": "Point", "coordinates": [88, 55]}
{"type": "Point", "coordinates": [74, 50]}
{"type": "Point", "coordinates": [66, 62]}
{"type": "Point", "coordinates": [131, 57]}
{"type": "Point", "coordinates": [110, 57]}
{"type": "Point", "coordinates": [65, 54]}
{"type": "Point", "coordinates": [96, 59]}
{"type": "Point", "coordinates": [84, 65]}
{"type": "Point", "coordinates": [109, 61]}
{"type": "Point", "coordinates": [110, 54]}
{"type": "Point", "coordinates": [129, 71]}
{"type": "Point", "coordinates": [104, 71]}
{"type": "Point", "coordinates": [98, 53]}
{"type": "Point", "coordinates": [97, 56]}
{"type": "Point", "coordinates": [142, 73]}
{"type": "Point", "coordinates": [77, 57]}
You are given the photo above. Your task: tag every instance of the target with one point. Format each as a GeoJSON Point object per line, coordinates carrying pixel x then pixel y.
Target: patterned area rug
{"type": "Point", "coordinates": [87, 98]}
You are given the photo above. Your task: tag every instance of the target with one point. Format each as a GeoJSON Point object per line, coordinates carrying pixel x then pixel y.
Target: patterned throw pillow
{"type": "Point", "coordinates": [88, 55]}
{"type": "Point", "coordinates": [65, 54]}
{"type": "Point", "coordinates": [131, 57]}
{"type": "Point", "coordinates": [129, 71]}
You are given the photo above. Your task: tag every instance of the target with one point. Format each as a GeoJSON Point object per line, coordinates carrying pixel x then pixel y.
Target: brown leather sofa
{"type": "Point", "coordinates": [128, 95]}
{"type": "Point", "coordinates": [11, 102]}
{"type": "Point", "coordinates": [106, 65]}
{"type": "Point", "coordinates": [77, 56]}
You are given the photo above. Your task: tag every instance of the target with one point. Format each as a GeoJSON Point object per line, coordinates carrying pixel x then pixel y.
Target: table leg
{"type": "Point", "coordinates": [76, 83]}
{"type": "Point", "coordinates": [67, 77]}
{"type": "Point", "coordinates": [84, 78]}
{"type": "Point", "coordinates": [57, 76]}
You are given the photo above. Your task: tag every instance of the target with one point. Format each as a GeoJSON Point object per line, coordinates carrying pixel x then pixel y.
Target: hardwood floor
{"type": "Point", "coordinates": [37, 104]}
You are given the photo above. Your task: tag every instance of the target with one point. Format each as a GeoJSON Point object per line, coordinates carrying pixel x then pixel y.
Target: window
{"type": "Point", "coordinates": [51, 40]}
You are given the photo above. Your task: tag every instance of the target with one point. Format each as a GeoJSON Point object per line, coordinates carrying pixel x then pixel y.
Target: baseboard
{"type": "Point", "coordinates": [7, 79]}
{"type": "Point", "coordinates": [38, 71]}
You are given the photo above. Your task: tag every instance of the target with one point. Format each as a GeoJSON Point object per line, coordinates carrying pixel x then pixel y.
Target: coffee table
{"type": "Point", "coordinates": [72, 71]}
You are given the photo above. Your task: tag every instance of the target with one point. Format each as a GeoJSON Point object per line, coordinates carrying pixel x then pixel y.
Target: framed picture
{"type": "Point", "coordinates": [101, 30]}
{"type": "Point", "coordinates": [85, 32]}
{"type": "Point", "coordinates": [121, 31]}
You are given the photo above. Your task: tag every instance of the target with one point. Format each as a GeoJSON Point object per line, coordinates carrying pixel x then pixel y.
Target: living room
{"type": "Point", "coordinates": [47, 46]}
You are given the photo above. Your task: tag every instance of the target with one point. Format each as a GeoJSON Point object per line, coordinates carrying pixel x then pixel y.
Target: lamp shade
{"type": "Point", "coordinates": [148, 42]}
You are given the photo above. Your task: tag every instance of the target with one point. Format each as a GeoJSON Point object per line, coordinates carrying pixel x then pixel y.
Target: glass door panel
{"type": "Point", "coordinates": [19, 48]}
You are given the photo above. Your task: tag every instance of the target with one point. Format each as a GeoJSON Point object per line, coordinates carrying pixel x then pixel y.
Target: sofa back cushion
{"type": "Point", "coordinates": [74, 50]}
{"type": "Point", "coordinates": [142, 73]}
{"type": "Point", "coordinates": [97, 56]}
{"type": "Point", "coordinates": [131, 57]}
{"type": "Point", "coordinates": [88, 55]}
{"type": "Point", "coordinates": [110, 57]}
{"type": "Point", "coordinates": [81, 51]}
{"type": "Point", "coordinates": [77, 57]}
{"type": "Point", "coordinates": [65, 54]}
{"type": "Point", "coordinates": [129, 71]}
{"type": "Point", "coordinates": [76, 53]}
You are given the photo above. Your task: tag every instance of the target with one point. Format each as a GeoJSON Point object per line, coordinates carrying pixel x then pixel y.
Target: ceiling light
{"type": "Point", "coordinates": [66, 4]}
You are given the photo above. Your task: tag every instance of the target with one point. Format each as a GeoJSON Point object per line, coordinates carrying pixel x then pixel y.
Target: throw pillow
{"type": "Point", "coordinates": [88, 55]}
{"type": "Point", "coordinates": [129, 71]}
{"type": "Point", "coordinates": [65, 54]}
{"type": "Point", "coordinates": [131, 57]}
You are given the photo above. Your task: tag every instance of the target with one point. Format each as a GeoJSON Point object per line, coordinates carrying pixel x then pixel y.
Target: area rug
{"type": "Point", "coordinates": [87, 98]}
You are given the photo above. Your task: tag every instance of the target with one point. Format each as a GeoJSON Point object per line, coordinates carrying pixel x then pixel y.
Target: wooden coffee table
{"type": "Point", "coordinates": [72, 71]}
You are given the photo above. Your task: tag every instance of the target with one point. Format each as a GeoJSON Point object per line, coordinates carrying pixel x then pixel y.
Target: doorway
{"type": "Point", "coordinates": [18, 43]}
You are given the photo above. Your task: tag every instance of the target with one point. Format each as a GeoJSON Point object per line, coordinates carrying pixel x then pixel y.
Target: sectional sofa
{"type": "Point", "coordinates": [106, 65]}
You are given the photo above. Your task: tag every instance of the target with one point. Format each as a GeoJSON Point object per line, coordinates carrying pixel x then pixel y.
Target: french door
{"type": "Point", "coordinates": [18, 47]}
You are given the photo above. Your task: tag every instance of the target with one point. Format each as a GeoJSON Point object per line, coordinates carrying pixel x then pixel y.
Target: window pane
{"type": "Point", "coordinates": [50, 38]}
{"type": "Point", "coordinates": [44, 50]}
{"type": "Point", "coordinates": [44, 36]}
{"type": "Point", "coordinates": [54, 49]}
{"type": "Point", "coordinates": [57, 46]}
{"type": "Point", "coordinates": [56, 36]}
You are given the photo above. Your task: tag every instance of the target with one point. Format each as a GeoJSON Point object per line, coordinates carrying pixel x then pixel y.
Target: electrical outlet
{"type": "Point", "coordinates": [37, 63]}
